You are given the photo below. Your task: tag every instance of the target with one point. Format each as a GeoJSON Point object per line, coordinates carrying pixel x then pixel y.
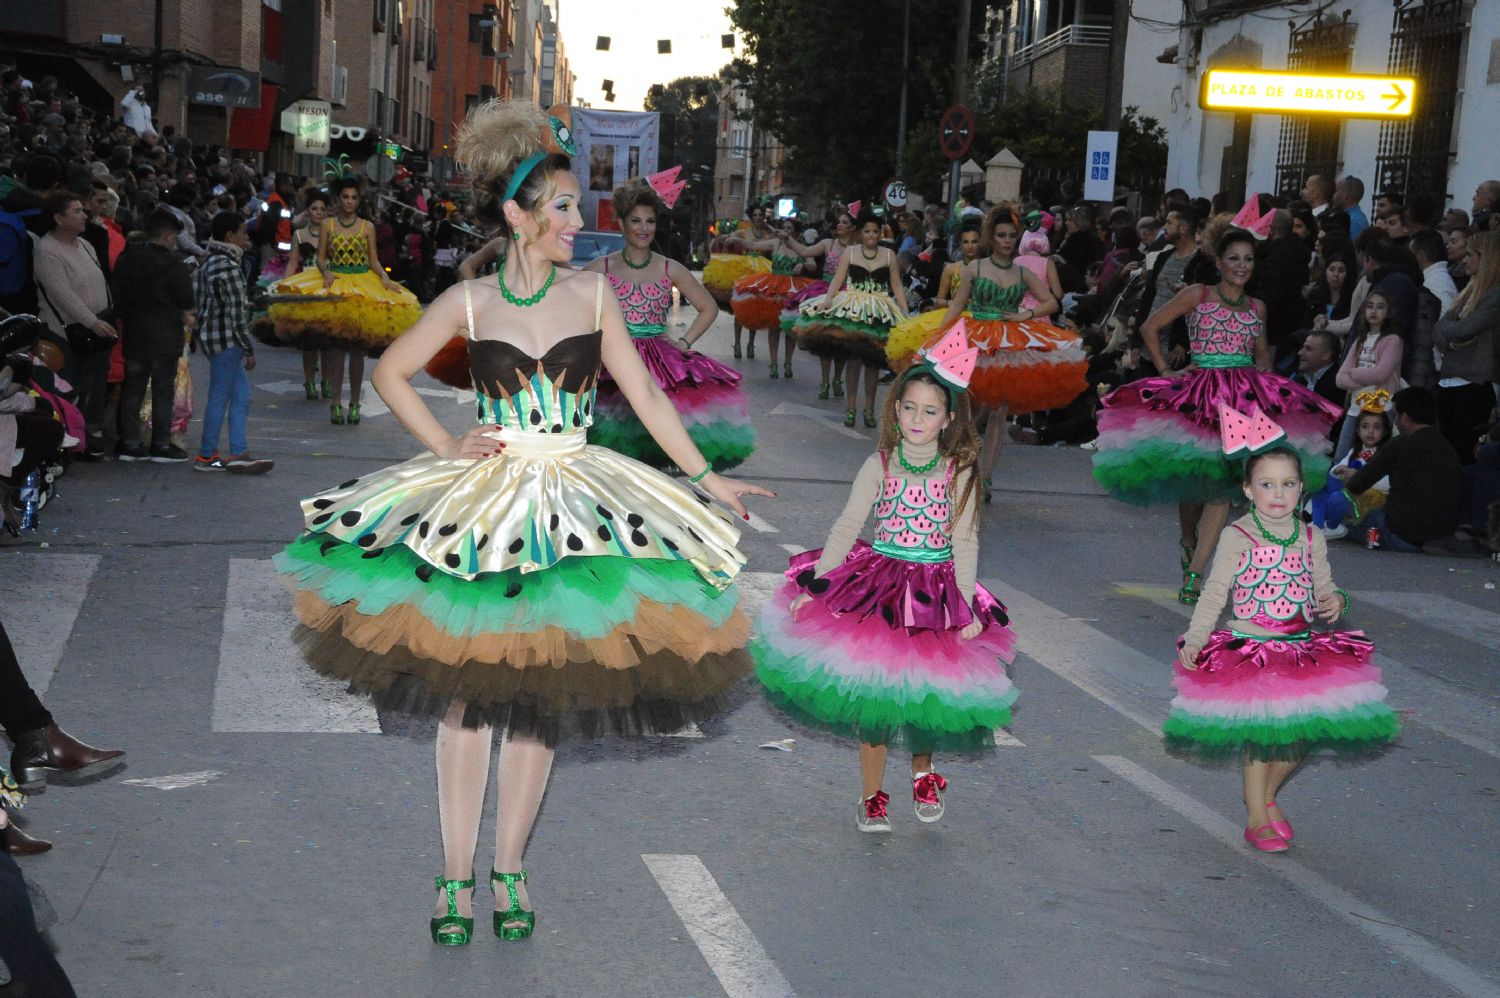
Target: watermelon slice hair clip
{"type": "Point", "coordinates": [950, 360]}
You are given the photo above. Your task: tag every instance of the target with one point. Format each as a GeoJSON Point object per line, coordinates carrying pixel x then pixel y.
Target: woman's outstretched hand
{"type": "Point", "coordinates": [480, 442]}
{"type": "Point", "coordinates": [729, 490]}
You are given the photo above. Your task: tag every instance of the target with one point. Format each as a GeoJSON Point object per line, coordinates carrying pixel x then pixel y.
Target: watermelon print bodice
{"type": "Point", "coordinates": [553, 393]}
{"type": "Point", "coordinates": [645, 305]}
{"type": "Point", "coordinates": [785, 265]}
{"type": "Point", "coordinates": [1221, 336]}
{"type": "Point", "coordinates": [912, 518]}
{"type": "Point", "coordinates": [988, 300]}
{"type": "Point", "coordinates": [831, 259]}
{"type": "Point", "coordinates": [1273, 586]}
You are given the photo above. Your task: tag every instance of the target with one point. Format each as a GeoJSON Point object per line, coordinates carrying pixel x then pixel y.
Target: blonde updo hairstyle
{"type": "Point", "coordinates": [493, 140]}
{"type": "Point", "coordinates": [634, 193]}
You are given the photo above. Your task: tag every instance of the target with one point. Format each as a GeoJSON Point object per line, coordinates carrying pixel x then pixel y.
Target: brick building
{"type": "Point", "coordinates": [386, 51]}
{"type": "Point", "coordinates": [472, 40]}
{"type": "Point", "coordinates": [281, 50]}
{"type": "Point", "coordinates": [747, 160]}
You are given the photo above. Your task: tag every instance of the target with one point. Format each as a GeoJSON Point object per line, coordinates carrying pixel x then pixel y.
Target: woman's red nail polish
{"type": "Point", "coordinates": [747, 517]}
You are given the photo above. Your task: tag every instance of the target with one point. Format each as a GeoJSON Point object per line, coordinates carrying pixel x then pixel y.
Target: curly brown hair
{"type": "Point", "coordinates": [959, 441]}
{"type": "Point", "coordinates": [635, 193]}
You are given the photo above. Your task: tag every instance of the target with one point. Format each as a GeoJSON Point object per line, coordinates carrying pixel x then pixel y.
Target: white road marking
{"type": "Point", "coordinates": [1458, 619]}
{"type": "Point", "coordinates": [1005, 739]}
{"type": "Point", "coordinates": [791, 548]}
{"type": "Point", "coordinates": [833, 417]}
{"type": "Point", "coordinates": [1368, 919]}
{"type": "Point", "coordinates": [42, 594]}
{"type": "Point", "coordinates": [176, 781]}
{"type": "Point", "coordinates": [1134, 684]}
{"type": "Point", "coordinates": [733, 954]}
{"type": "Point", "coordinates": [756, 588]}
{"type": "Point", "coordinates": [1466, 717]}
{"type": "Point", "coordinates": [263, 683]}
{"type": "Point", "coordinates": [760, 524]}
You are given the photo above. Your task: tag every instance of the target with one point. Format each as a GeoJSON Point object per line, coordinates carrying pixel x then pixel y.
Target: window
{"type": "Point", "coordinates": [1415, 153]}
{"type": "Point", "coordinates": [1309, 144]}
{"type": "Point", "coordinates": [737, 186]}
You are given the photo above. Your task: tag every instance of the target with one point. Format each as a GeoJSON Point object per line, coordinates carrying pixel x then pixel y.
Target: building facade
{"type": "Point", "coordinates": [387, 50]}
{"type": "Point", "coordinates": [1449, 46]}
{"type": "Point", "coordinates": [473, 39]}
{"type": "Point", "coordinates": [276, 52]}
{"type": "Point", "coordinates": [747, 160]}
{"type": "Point", "coordinates": [555, 84]}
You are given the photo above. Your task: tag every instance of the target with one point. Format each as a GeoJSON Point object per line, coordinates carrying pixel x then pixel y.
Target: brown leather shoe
{"type": "Point", "coordinates": [52, 748]}
{"type": "Point", "coordinates": [17, 843]}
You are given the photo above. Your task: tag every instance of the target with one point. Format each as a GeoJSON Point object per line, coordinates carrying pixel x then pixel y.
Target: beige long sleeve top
{"type": "Point", "coordinates": [75, 287]}
{"type": "Point", "coordinates": [866, 492]}
{"type": "Point", "coordinates": [1234, 543]}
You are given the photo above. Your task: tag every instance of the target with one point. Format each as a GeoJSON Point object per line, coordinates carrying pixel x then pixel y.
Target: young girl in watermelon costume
{"type": "Point", "coordinates": [895, 643]}
{"type": "Point", "coordinates": [1268, 689]}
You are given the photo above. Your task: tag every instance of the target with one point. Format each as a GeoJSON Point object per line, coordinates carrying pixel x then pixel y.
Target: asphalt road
{"type": "Point", "coordinates": [272, 835]}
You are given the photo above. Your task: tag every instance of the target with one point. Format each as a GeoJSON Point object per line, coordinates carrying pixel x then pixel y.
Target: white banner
{"type": "Point", "coordinates": [613, 146]}
{"type": "Point", "coordinates": [1101, 167]}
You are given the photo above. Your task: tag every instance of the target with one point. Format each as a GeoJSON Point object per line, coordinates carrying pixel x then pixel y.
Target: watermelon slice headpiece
{"type": "Point", "coordinates": [950, 359]}
{"type": "Point", "coordinates": [667, 186]}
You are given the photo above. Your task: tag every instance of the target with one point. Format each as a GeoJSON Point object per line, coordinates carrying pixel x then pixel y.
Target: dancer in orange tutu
{"type": "Point", "coordinates": [759, 299]}
{"type": "Point", "coordinates": [1026, 364]}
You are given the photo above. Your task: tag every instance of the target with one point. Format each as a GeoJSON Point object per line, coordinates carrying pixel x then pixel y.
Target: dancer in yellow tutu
{"type": "Point", "coordinates": [759, 299]}
{"type": "Point", "coordinates": [728, 262]}
{"type": "Point", "coordinates": [348, 298]}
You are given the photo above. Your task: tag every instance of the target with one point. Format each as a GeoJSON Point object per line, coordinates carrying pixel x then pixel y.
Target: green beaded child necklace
{"type": "Point", "coordinates": [914, 469]}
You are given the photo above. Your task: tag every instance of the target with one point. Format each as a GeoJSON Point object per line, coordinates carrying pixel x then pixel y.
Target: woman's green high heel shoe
{"type": "Point", "coordinates": [515, 913]}
{"type": "Point", "coordinates": [838, 389]}
{"type": "Point", "coordinates": [1191, 586]}
{"type": "Point", "coordinates": [336, 414]}
{"type": "Point", "coordinates": [443, 929]}
{"type": "Point", "coordinates": [823, 390]}
{"type": "Point", "coordinates": [311, 388]}
{"type": "Point", "coordinates": [353, 414]}
{"type": "Point", "coordinates": [326, 389]}
{"type": "Point", "coordinates": [849, 417]}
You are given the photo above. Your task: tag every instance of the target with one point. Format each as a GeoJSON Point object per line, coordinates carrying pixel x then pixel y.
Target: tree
{"type": "Point", "coordinates": [824, 77]}
{"type": "Point", "coordinates": [689, 109]}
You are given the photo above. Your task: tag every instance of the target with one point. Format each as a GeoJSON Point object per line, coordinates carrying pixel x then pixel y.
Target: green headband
{"type": "Point", "coordinates": [519, 176]}
{"type": "Point", "coordinates": [924, 367]}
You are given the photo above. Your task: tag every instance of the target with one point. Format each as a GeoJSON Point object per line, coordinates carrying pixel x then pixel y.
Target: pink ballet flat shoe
{"type": "Point", "coordinates": [1282, 827]}
{"type": "Point", "coordinates": [1271, 843]}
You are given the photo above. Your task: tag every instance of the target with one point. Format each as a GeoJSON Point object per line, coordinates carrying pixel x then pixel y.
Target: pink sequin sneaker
{"type": "Point", "coordinates": [927, 796]}
{"type": "Point", "coordinates": [871, 816]}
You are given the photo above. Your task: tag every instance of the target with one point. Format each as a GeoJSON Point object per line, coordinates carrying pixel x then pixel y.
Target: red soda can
{"type": "Point", "coordinates": [1372, 538]}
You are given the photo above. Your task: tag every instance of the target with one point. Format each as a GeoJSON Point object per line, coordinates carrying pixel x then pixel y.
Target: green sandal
{"type": "Point", "coordinates": [786, 370]}
{"type": "Point", "coordinates": [838, 390]}
{"type": "Point", "coordinates": [515, 913]}
{"type": "Point", "coordinates": [848, 417]}
{"type": "Point", "coordinates": [336, 414]}
{"type": "Point", "coordinates": [1191, 586]}
{"type": "Point", "coordinates": [774, 373]}
{"type": "Point", "coordinates": [452, 920]}
{"type": "Point", "coordinates": [311, 387]}
{"type": "Point", "coordinates": [354, 414]}
{"type": "Point", "coordinates": [823, 390]}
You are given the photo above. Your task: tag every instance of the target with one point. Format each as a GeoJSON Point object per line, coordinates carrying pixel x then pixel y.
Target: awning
{"type": "Point", "coordinates": [251, 128]}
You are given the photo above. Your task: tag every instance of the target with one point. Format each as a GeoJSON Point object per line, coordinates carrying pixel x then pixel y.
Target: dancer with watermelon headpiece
{"type": "Point", "coordinates": [706, 394]}
{"type": "Point", "coordinates": [759, 299]}
{"type": "Point", "coordinates": [895, 643]}
{"type": "Point", "coordinates": [1269, 689]}
{"type": "Point", "coordinates": [1159, 437]}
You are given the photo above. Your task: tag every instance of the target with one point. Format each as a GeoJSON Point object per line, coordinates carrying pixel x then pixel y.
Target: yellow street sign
{"type": "Point", "coordinates": [1346, 95]}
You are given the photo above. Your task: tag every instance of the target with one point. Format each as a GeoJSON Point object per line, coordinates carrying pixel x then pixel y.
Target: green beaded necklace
{"type": "Point", "coordinates": [1278, 541]}
{"type": "Point", "coordinates": [636, 266]}
{"type": "Point", "coordinates": [1001, 266]}
{"type": "Point", "coordinates": [914, 469]}
{"type": "Point", "coordinates": [1232, 302]}
{"type": "Point", "coordinates": [511, 296]}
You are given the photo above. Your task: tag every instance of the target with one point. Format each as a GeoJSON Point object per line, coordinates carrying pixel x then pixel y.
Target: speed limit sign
{"type": "Point", "coordinates": [895, 193]}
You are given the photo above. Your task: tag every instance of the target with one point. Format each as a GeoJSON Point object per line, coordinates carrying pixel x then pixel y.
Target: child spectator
{"type": "Point", "coordinates": [1373, 362]}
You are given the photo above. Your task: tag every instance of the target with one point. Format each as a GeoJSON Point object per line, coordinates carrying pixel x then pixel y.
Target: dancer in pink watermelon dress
{"type": "Point", "coordinates": [706, 393]}
{"type": "Point", "coordinates": [1269, 689]}
{"type": "Point", "coordinates": [895, 643]}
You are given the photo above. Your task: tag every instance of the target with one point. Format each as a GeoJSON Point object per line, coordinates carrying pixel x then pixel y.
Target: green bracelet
{"type": "Point", "coordinates": [700, 476]}
{"type": "Point", "coordinates": [1348, 602]}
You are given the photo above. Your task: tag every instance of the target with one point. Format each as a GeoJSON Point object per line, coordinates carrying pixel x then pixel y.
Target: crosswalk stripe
{"type": "Point", "coordinates": [1433, 703]}
{"type": "Point", "coordinates": [737, 959]}
{"type": "Point", "coordinates": [1449, 615]}
{"type": "Point", "coordinates": [263, 683]}
{"type": "Point", "coordinates": [41, 595]}
{"type": "Point", "coordinates": [1362, 916]}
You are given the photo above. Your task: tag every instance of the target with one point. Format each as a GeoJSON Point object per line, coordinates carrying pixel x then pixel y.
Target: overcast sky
{"type": "Point", "coordinates": [633, 27]}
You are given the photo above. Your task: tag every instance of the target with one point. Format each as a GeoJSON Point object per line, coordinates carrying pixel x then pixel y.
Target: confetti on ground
{"type": "Point", "coordinates": [780, 744]}
{"type": "Point", "coordinates": [176, 781]}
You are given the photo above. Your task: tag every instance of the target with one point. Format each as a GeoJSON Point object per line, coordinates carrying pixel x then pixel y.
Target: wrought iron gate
{"type": "Point", "coordinates": [1427, 41]}
{"type": "Point", "coordinates": [1310, 144]}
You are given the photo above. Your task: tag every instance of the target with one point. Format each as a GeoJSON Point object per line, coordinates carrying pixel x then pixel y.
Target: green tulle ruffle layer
{"type": "Point", "coordinates": [723, 445]}
{"type": "Point", "coordinates": [587, 597]}
{"type": "Point", "coordinates": [924, 720]}
{"type": "Point", "coordinates": [1355, 731]}
{"type": "Point", "coordinates": [1154, 472]}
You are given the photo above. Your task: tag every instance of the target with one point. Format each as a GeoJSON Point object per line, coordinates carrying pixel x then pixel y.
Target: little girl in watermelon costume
{"type": "Point", "coordinates": [1269, 689]}
{"type": "Point", "coordinates": [895, 643]}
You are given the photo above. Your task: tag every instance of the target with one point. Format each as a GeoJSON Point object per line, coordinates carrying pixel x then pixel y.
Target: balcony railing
{"type": "Point", "coordinates": [1091, 35]}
